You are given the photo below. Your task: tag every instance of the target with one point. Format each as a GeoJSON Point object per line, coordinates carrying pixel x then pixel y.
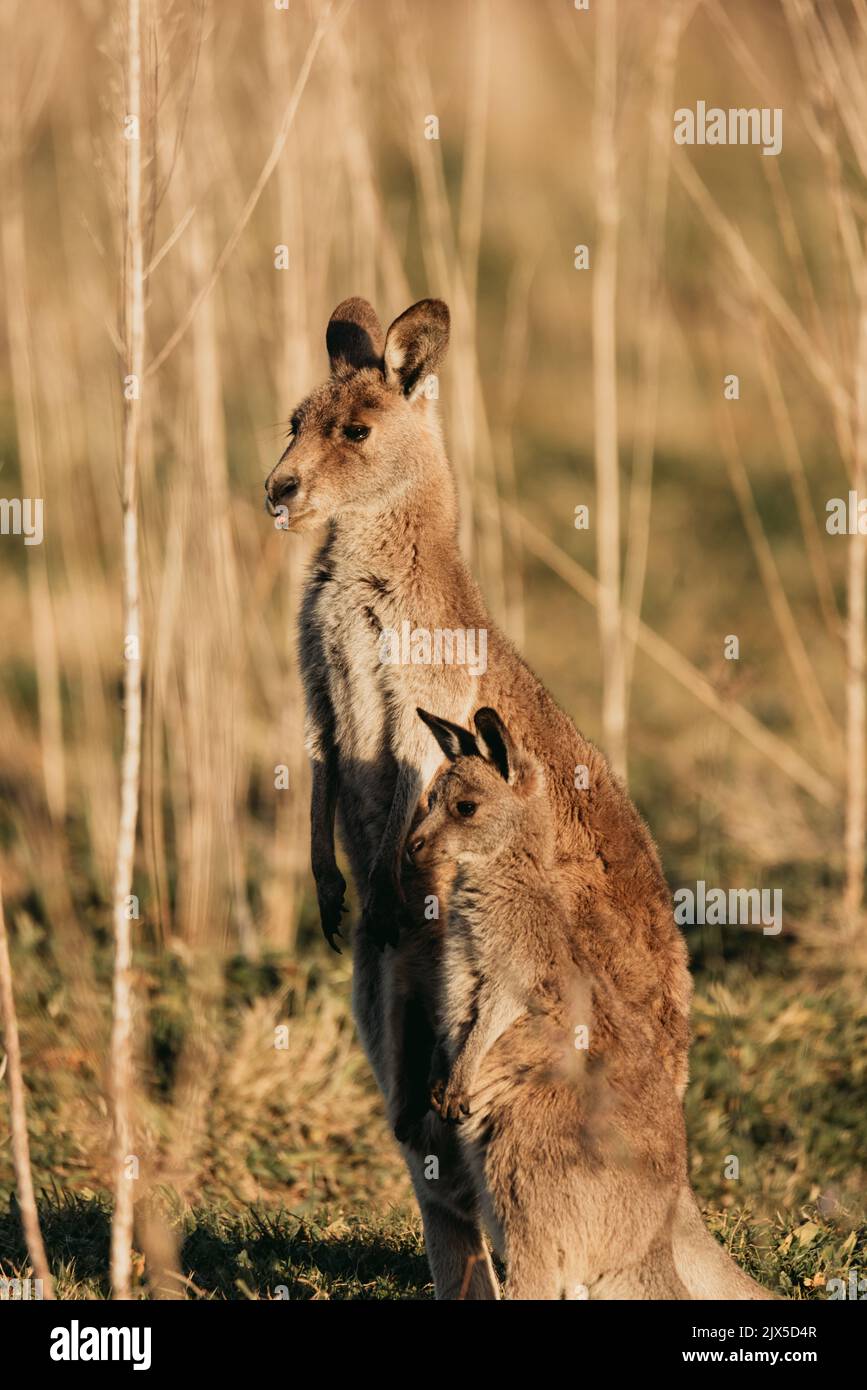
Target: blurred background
{"type": "Point", "coordinates": [287, 164]}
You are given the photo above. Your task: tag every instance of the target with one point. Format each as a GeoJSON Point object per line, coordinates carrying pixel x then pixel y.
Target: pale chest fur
{"type": "Point", "coordinates": [350, 607]}
{"type": "Point", "coordinates": [477, 958]}
{"type": "Point", "coordinates": [350, 613]}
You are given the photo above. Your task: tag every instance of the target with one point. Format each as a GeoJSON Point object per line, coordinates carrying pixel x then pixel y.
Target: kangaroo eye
{"type": "Point", "coordinates": [466, 809]}
{"type": "Point", "coordinates": [356, 432]}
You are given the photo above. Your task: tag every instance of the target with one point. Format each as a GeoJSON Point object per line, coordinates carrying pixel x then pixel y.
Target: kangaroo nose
{"type": "Point", "coordinates": [415, 845]}
{"type": "Point", "coordinates": [282, 492]}
{"type": "Point", "coordinates": [287, 488]}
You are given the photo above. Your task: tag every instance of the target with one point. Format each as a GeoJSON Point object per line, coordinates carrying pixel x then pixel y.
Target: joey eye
{"type": "Point", "coordinates": [356, 432]}
{"type": "Point", "coordinates": [466, 809]}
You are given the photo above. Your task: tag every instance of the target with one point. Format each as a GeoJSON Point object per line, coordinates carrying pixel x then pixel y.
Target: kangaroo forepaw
{"type": "Point", "coordinates": [450, 1101]}
{"type": "Point", "coordinates": [331, 908]}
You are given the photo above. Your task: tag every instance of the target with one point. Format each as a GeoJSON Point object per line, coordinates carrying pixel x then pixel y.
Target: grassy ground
{"type": "Point", "coordinates": [271, 1172]}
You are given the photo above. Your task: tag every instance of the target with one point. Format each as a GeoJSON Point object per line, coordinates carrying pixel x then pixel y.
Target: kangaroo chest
{"type": "Point", "coordinates": [347, 613]}
{"type": "Point", "coordinates": [360, 618]}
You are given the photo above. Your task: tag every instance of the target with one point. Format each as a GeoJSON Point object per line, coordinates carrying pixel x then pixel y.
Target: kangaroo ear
{"type": "Point", "coordinates": [354, 336]}
{"type": "Point", "coordinates": [495, 743]}
{"type": "Point", "coordinates": [416, 344]}
{"type": "Point", "coordinates": [452, 739]}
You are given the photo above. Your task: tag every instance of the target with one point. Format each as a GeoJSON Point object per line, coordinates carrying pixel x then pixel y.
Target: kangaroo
{"type": "Point", "coordinates": [579, 1154]}
{"type": "Point", "coordinates": [366, 462]}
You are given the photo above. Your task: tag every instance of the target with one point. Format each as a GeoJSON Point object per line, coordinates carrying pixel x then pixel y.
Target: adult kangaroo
{"type": "Point", "coordinates": [366, 461]}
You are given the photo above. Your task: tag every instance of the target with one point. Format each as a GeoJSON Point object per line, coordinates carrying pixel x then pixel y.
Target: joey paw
{"type": "Point", "coordinates": [450, 1100]}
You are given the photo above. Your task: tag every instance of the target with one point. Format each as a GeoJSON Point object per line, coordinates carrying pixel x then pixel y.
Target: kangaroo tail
{"type": "Point", "coordinates": [705, 1267]}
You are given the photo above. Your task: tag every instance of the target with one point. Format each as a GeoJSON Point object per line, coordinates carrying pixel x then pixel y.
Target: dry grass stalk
{"type": "Point", "coordinates": [856, 655]}
{"type": "Point", "coordinates": [18, 1118]}
{"type": "Point", "coordinates": [447, 262]}
{"type": "Point", "coordinates": [605, 391]}
{"type": "Point", "coordinates": [122, 997]}
{"type": "Point", "coordinates": [512, 366]}
{"type": "Point", "coordinates": [469, 420]}
{"type": "Point", "coordinates": [650, 316]}
{"type": "Point", "coordinates": [292, 369]}
{"type": "Point", "coordinates": [258, 188]}
{"type": "Point", "coordinates": [213, 655]}
{"type": "Point", "coordinates": [13, 239]}
{"type": "Point", "coordinates": [831, 57]}
{"type": "Point", "coordinates": [794, 462]}
{"type": "Point", "coordinates": [442, 269]}
{"type": "Point", "coordinates": [778, 600]}
{"type": "Point", "coordinates": [805, 349]}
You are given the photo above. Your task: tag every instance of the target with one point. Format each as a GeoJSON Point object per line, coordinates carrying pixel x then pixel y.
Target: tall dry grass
{"type": "Point", "coordinates": [305, 128]}
{"type": "Point", "coordinates": [133, 338]}
{"type": "Point", "coordinates": [18, 1115]}
{"type": "Point", "coordinates": [605, 386]}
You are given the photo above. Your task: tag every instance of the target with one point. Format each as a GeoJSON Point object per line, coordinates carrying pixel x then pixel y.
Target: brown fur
{"type": "Point", "coordinates": [390, 553]}
{"type": "Point", "coordinates": [579, 1153]}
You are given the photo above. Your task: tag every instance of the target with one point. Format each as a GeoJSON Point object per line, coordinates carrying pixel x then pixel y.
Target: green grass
{"type": "Point", "coordinates": [295, 1189]}
{"type": "Point", "coordinates": [226, 1254]}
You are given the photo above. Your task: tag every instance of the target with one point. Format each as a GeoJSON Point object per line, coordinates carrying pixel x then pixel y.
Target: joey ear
{"type": "Point", "coordinates": [354, 335]}
{"type": "Point", "coordinates": [452, 739]}
{"type": "Point", "coordinates": [415, 345]}
{"type": "Point", "coordinates": [495, 743]}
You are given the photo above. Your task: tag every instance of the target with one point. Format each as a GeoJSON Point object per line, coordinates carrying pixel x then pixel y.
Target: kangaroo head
{"type": "Point", "coordinates": [361, 439]}
{"type": "Point", "coordinates": [489, 802]}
